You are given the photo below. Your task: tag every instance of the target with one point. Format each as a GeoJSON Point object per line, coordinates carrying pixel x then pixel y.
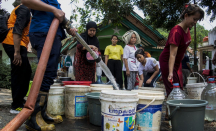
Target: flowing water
{"type": "Point", "coordinates": [108, 74]}
{"type": "Point", "coordinates": [101, 63]}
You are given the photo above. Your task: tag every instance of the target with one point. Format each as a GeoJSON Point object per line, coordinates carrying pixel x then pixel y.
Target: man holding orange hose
{"type": "Point", "coordinates": [43, 12]}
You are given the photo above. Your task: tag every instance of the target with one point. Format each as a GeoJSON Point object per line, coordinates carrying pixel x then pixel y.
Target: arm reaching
{"type": "Point", "coordinates": [41, 6]}
{"type": "Point", "coordinates": [173, 52]}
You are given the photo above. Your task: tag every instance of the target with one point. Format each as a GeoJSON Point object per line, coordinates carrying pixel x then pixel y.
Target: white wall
{"type": "Point", "coordinates": [212, 37]}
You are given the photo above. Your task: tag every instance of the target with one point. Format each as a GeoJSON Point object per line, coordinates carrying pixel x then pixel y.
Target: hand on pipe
{"type": "Point", "coordinates": [59, 14]}
{"type": "Point", "coordinates": [94, 48]}
{"type": "Point", "coordinates": [72, 31]}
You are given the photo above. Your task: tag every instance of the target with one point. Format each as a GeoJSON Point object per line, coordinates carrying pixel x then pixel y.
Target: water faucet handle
{"type": "Point", "coordinates": [67, 24]}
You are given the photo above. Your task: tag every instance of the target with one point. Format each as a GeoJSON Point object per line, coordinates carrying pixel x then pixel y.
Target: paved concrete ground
{"type": "Point", "coordinates": [70, 125]}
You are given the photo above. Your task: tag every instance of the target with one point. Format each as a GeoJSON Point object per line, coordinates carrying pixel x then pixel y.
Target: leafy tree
{"type": "Point", "coordinates": [201, 32]}
{"type": "Point", "coordinates": [163, 32]}
{"type": "Point", "coordinates": [103, 10]}
{"type": "Point", "coordinates": [210, 5]}
{"type": "Point", "coordinates": [162, 13]}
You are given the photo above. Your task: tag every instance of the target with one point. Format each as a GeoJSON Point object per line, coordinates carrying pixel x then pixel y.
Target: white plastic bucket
{"type": "Point", "coordinates": [118, 109]}
{"type": "Point", "coordinates": [149, 110]}
{"type": "Point", "coordinates": [195, 90]}
{"type": "Point", "coordinates": [152, 89]}
{"type": "Point", "coordinates": [101, 85]}
{"type": "Point", "coordinates": [193, 79]}
{"type": "Point", "coordinates": [55, 104]}
{"type": "Point", "coordinates": [99, 89]}
{"type": "Point", "coordinates": [75, 101]}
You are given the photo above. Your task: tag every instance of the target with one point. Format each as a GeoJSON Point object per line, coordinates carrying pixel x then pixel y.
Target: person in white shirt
{"type": "Point", "coordinates": [130, 67]}
{"type": "Point", "coordinates": [150, 66]}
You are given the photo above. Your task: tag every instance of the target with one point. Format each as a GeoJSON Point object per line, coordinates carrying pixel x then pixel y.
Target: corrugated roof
{"type": "Point", "coordinates": [149, 27]}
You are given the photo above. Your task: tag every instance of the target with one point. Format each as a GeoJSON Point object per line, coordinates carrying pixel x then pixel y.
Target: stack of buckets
{"type": "Point", "coordinates": [69, 100]}
{"type": "Point", "coordinates": [100, 87]}
{"type": "Point", "coordinates": [119, 108]}
{"type": "Point", "coordinates": [111, 109]}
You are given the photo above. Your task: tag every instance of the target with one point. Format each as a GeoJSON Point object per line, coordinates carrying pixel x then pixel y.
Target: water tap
{"type": "Point", "coordinates": [67, 24]}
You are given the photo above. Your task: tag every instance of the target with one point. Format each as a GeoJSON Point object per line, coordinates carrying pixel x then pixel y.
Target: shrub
{"type": "Point", "coordinates": [5, 77]}
{"type": "Point", "coordinates": [33, 67]}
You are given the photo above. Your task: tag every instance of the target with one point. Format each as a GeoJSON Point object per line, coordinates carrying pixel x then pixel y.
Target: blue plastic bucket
{"type": "Point", "coordinates": [149, 110]}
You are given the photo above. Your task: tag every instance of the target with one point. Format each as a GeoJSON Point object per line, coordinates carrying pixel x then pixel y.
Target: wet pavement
{"type": "Point", "coordinates": [77, 125]}
{"type": "Point", "coordinates": [69, 124]}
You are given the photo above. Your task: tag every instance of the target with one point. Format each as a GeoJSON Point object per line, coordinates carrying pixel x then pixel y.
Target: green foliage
{"type": "Point", "coordinates": [5, 76]}
{"type": "Point", "coordinates": [210, 5]}
{"type": "Point", "coordinates": [33, 67]}
{"type": "Point", "coordinates": [5, 73]}
{"type": "Point", "coordinates": [163, 32]}
{"type": "Point", "coordinates": [162, 13]}
{"type": "Point", "coordinates": [103, 10]}
{"type": "Point", "coordinates": [201, 32]}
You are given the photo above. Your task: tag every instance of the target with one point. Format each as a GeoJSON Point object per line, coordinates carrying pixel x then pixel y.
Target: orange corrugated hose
{"type": "Point", "coordinates": [28, 109]}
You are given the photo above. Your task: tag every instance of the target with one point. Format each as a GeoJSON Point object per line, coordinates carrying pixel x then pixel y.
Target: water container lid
{"type": "Point", "coordinates": [211, 79]}
{"type": "Point", "coordinates": [94, 95]}
{"type": "Point", "coordinates": [119, 92]}
{"type": "Point", "coordinates": [175, 84]}
{"type": "Point", "coordinates": [99, 89]}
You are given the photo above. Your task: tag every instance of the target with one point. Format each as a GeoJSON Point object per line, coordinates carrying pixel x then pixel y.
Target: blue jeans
{"type": "Point", "coordinates": [37, 41]}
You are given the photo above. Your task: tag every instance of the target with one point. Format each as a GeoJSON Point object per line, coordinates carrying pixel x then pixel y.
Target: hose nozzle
{"type": "Point", "coordinates": [67, 24]}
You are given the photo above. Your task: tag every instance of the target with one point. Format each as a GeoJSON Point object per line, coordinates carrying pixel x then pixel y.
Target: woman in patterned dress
{"type": "Point", "coordinates": [84, 68]}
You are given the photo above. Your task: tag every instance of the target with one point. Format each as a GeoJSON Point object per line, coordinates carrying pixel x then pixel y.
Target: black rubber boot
{"type": "Point", "coordinates": [51, 119]}
{"type": "Point", "coordinates": [35, 122]}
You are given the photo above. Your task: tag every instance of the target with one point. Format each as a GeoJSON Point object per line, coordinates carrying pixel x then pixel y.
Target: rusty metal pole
{"type": "Point", "coordinates": [28, 109]}
{"type": "Point", "coordinates": [195, 49]}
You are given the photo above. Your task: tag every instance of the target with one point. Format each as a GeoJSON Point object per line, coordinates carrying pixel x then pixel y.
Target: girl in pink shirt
{"type": "Point", "coordinates": [176, 45]}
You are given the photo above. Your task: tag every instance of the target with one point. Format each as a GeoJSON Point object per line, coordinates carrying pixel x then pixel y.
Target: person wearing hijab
{"type": "Point", "coordinates": [85, 67]}
{"type": "Point", "coordinates": [130, 66]}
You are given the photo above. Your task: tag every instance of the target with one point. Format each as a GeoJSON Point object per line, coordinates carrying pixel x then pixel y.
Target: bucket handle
{"type": "Point", "coordinates": [146, 105]}
{"type": "Point", "coordinates": [173, 112]}
{"type": "Point", "coordinates": [199, 75]}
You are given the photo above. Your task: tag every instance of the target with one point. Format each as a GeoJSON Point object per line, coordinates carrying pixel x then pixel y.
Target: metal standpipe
{"type": "Point", "coordinates": [28, 109]}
